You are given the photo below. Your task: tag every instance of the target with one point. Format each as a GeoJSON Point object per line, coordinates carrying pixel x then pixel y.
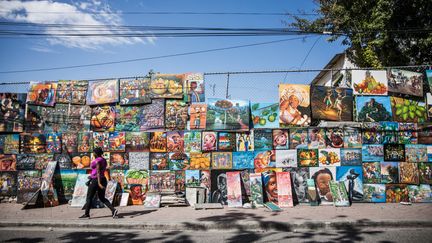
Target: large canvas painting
{"type": "Point", "coordinates": [405, 82]}
{"type": "Point", "coordinates": [352, 176]}
{"type": "Point", "coordinates": [194, 88]}
{"type": "Point", "coordinates": [227, 114]}
{"type": "Point", "coordinates": [294, 105]}
{"type": "Point", "coordinates": [369, 82]}
{"type": "Point", "coordinates": [135, 91]}
{"type": "Point", "coordinates": [265, 115]}
{"type": "Point", "coordinates": [153, 115]}
{"type": "Point", "coordinates": [127, 118]}
{"type": "Point", "coordinates": [12, 112]}
{"type": "Point", "coordinates": [197, 117]}
{"type": "Point", "coordinates": [299, 178]}
{"type": "Point", "coordinates": [322, 177]}
{"type": "Point", "coordinates": [167, 86]}
{"type": "Point", "coordinates": [72, 92]}
{"type": "Point", "coordinates": [103, 92]}
{"type": "Point", "coordinates": [42, 93]}
{"type": "Point", "coordinates": [406, 110]}
{"type": "Point", "coordinates": [373, 109]}
{"type": "Point", "coordinates": [333, 104]}
{"type": "Point", "coordinates": [234, 189]}
{"type": "Point", "coordinates": [285, 198]}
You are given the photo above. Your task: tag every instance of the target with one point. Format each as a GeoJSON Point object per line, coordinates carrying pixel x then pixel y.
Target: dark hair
{"type": "Point", "coordinates": [98, 151]}
{"type": "Point", "coordinates": [322, 171]}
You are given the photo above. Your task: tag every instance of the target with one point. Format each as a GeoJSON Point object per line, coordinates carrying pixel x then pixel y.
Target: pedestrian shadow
{"type": "Point", "coordinates": [29, 240]}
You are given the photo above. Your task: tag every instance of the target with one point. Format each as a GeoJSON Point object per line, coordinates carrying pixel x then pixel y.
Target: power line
{"type": "Point", "coordinates": [151, 58]}
{"type": "Point", "coordinates": [310, 50]}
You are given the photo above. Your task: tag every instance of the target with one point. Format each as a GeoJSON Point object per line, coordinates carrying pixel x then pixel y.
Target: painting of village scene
{"type": "Point", "coordinates": [152, 115]}
{"type": "Point", "coordinates": [135, 91]}
{"type": "Point", "coordinates": [333, 104]}
{"type": "Point", "coordinates": [405, 82]}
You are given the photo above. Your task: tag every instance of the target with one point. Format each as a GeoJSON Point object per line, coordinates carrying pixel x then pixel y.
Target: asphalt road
{"type": "Point", "coordinates": [305, 235]}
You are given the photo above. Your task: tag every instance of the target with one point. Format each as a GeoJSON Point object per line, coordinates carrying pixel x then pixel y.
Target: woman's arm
{"type": "Point", "coordinates": [99, 176]}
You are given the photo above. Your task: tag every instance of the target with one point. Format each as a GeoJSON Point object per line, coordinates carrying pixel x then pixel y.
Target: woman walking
{"type": "Point", "coordinates": [97, 184]}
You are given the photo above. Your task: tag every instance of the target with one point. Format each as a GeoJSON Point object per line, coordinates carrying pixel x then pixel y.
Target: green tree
{"type": "Point", "coordinates": [377, 32]}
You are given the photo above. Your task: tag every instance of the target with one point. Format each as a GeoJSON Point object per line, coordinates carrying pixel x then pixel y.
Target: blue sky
{"type": "Point", "coordinates": [33, 53]}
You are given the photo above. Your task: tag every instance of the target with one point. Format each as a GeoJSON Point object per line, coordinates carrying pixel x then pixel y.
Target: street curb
{"type": "Point", "coordinates": [206, 226]}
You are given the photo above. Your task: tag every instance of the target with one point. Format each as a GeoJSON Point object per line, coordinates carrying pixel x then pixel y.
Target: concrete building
{"type": "Point", "coordinates": [335, 77]}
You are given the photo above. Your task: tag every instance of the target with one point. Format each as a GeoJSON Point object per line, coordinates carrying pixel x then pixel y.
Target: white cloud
{"type": "Point", "coordinates": [82, 13]}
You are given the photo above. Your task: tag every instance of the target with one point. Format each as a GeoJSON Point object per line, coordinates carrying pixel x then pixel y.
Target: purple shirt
{"type": "Point", "coordinates": [102, 166]}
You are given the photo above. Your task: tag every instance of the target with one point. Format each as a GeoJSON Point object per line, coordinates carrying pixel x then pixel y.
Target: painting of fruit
{"type": "Point", "coordinates": [265, 115]}
{"type": "Point", "coordinates": [369, 82]}
{"type": "Point", "coordinates": [405, 110]}
{"type": "Point", "coordinates": [167, 86]}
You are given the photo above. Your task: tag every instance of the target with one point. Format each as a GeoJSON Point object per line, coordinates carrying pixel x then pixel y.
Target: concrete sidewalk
{"type": "Point", "coordinates": [186, 218]}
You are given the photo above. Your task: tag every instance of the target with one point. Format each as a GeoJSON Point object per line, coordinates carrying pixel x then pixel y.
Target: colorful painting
{"type": "Point", "coordinates": [192, 178]}
{"type": "Point", "coordinates": [329, 157]}
{"type": "Point", "coordinates": [256, 189]}
{"type": "Point", "coordinates": [420, 194]}
{"type": "Point", "coordinates": [265, 115]}
{"type": "Point", "coordinates": [408, 173]}
{"type": "Point", "coordinates": [137, 177]}
{"type": "Point", "coordinates": [299, 177]}
{"type": "Point", "coordinates": [119, 177]}
{"type": "Point", "coordinates": [42, 93]}
{"type": "Point", "coordinates": [286, 158]}
{"type": "Point", "coordinates": [339, 194]}
{"type": "Point", "coordinates": [375, 193]}
{"type": "Point", "coordinates": [79, 118]}
{"type": "Point", "coordinates": [205, 182]}
{"type": "Point", "coordinates": [209, 141]}
{"type": "Point", "coordinates": [312, 192]}
{"type": "Point", "coordinates": [265, 159]}
{"type": "Point", "coordinates": [11, 144]}
{"type": "Point", "coordinates": [139, 160]}
{"type": "Point", "coordinates": [425, 172]}
{"type": "Point", "coordinates": [127, 118]}
{"type": "Point", "coordinates": [180, 181]}
{"type": "Point", "coordinates": [372, 137]}
{"type": "Point", "coordinates": [53, 143]}
{"type": "Point", "coordinates": [405, 82]}
{"type": "Point", "coordinates": [119, 160]}
{"type": "Point", "coordinates": [72, 92]}
{"type": "Point", "coordinates": [26, 162]}
{"type": "Point", "coordinates": [152, 200]}
{"type": "Point", "coordinates": [103, 118]}
{"type": "Point", "coordinates": [352, 138]}
{"type": "Point", "coordinates": [406, 110]}
{"type": "Point", "coordinates": [234, 189]}
{"type": "Point", "coordinates": [352, 176]}
{"type": "Point", "coordinates": [394, 152]}
{"type": "Point", "coordinates": [194, 88]}
{"type": "Point", "coordinates": [332, 104]}
{"type": "Point", "coordinates": [192, 142]}
{"type": "Point", "coordinates": [64, 183]}
{"type": "Point", "coordinates": [285, 197]}
{"type": "Point", "coordinates": [158, 142]}
{"type": "Point", "coordinates": [162, 181]}
{"type": "Point", "coordinates": [29, 182]}
{"type": "Point", "coordinates": [298, 138]}
{"type": "Point", "coordinates": [373, 152]}
{"type": "Point", "coordinates": [200, 161]}
{"type": "Point", "coordinates": [369, 82]}
{"type": "Point", "coordinates": [8, 182]}
{"type": "Point", "coordinates": [226, 141]}
{"type": "Point", "coordinates": [334, 137]}
{"type": "Point", "coordinates": [351, 156]}
{"type": "Point", "coordinates": [167, 86]}
{"type": "Point", "coordinates": [178, 161]}
{"type": "Point", "coordinates": [135, 91]}
{"type": "Point", "coordinates": [85, 142]}
{"type": "Point", "coordinates": [152, 115]}
{"type": "Point", "coordinates": [371, 172]}
{"type": "Point", "coordinates": [270, 186]}
{"type": "Point", "coordinates": [373, 108]}
{"type": "Point", "coordinates": [176, 115]}
{"type": "Point", "coordinates": [389, 172]}
{"type": "Point", "coordinates": [307, 157]}
{"type": "Point", "coordinates": [407, 137]}
{"type": "Point", "coordinates": [12, 112]}
{"type": "Point", "coordinates": [175, 141]}
{"type": "Point", "coordinates": [197, 117]}
{"type": "Point", "coordinates": [280, 139]}
{"type": "Point", "coordinates": [221, 160]}
{"type": "Point", "coordinates": [34, 119]}
{"type": "Point", "coordinates": [100, 139]}
{"type": "Point", "coordinates": [322, 177]}
{"type": "Point", "coordinates": [227, 114]}
{"type": "Point", "coordinates": [389, 137]}
{"type": "Point", "coordinates": [103, 92]}
{"type": "Point", "coordinates": [416, 153]}
{"type": "Point", "coordinates": [159, 161]}
{"type": "Point", "coordinates": [137, 142]}
{"type": "Point", "coordinates": [110, 190]}
{"type": "Point", "coordinates": [263, 139]}
{"type": "Point", "coordinates": [396, 193]}
{"type": "Point", "coordinates": [429, 152]}
{"type": "Point", "coordinates": [42, 161]}
{"type": "Point", "coordinates": [243, 160]}
{"type": "Point", "coordinates": [117, 141]}
{"type": "Point", "coordinates": [137, 194]}
{"type": "Point", "coordinates": [317, 138]}
{"type": "Point", "coordinates": [294, 105]}
{"type": "Point", "coordinates": [33, 143]}
{"type": "Point", "coordinates": [245, 141]}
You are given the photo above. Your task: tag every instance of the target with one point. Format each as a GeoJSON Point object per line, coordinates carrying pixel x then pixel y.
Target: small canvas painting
{"type": "Point", "coordinates": [256, 189]}
{"type": "Point", "coordinates": [369, 82]}
{"type": "Point", "coordinates": [265, 159]}
{"type": "Point", "coordinates": [317, 138]}
{"type": "Point", "coordinates": [194, 87]}
{"type": "Point", "coordinates": [167, 86]}
{"type": "Point", "coordinates": [351, 156]}
{"type": "Point", "coordinates": [373, 108]}
{"type": "Point", "coordinates": [263, 139]}
{"type": "Point", "coordinates": [371, 172]}
{"type": "Point", "coordinates": [352, 138]}
{"type": "Point", "coordinates": [286, 158]}
{"type": "Point", "coordinates": [42, 93]}
{"type": "Point", "coordinates": [103, 118]}
{"type": "Point", "coordinates": [298, 138]}
{"type": "Point", "coordinates": [152, 116]}
{"type": "Point", "coordinates": [245, 141]}
{"type": "Point", "coordinates": [307, 157]}
{"type": "Point", "coordinates": [294, 105]}
{"type": "Point", "coordinates": [127, 118]}
{"type": "Point", "coordinates": [373, 152]}
{"type": "Point", "coordinates": [192, 142]}
{"type": "Point", "coordinates": [176, 114]}
{"type": "Point", "coordinates": [192, 178]}
{"type": "Point", "coordinates": [407, 110]}
{"type": "Point", "coordinates": [265, 115]}
{"type": "Point", "coordinates": [103, 92]}
{"type": "Point", "coordinates": [197, 116]}
{"type": "Point", "coordinates": [225, 114]}
{"type": "Point", "coordinates": [209, 141]}
{"type": "Point", "coordinates": [322, 177]}
{"type": "Point", "coordinates": [243, 160]}
{"type": "Point", "coordinates": [221, 160]}
{"type": "Point", "coordinates": [175, 141]}
{"type": "Point", "coordinates": [375, 193]}
{"type": "Point", "coordinates": [389, 172]}
{"type": "Point", "coordinates": [408, 173]}
{"type": "Point", "coordinates": [280, 139]}
{"type": "Point", "coordinates": [226, 141]}
{"type": "Point", "coordinates": [135, 91]}
{"type": "Point", "coordinates": [329, 157]}
{"type": "Point", "coordinates": [394, 152]}
{"type": "Point", "coordinates": [234, 189]}
{"type": "Point", "coordinates": [405, 82]}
